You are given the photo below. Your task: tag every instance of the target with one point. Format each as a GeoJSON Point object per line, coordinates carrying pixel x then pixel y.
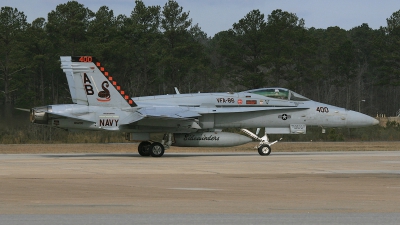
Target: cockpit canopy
{"type": "Point", "coordinates": [279, 93]}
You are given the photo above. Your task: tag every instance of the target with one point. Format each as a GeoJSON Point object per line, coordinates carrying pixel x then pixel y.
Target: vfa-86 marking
{"type": "Point", "coordinates": [225, 100]}
{"type": "Point", "coordinates": [197, 119]}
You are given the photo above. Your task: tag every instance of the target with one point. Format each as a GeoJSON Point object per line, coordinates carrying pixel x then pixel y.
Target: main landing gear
{"type": "Point", "coordinates": [264, 147]}
{"type": "Point", "coordinates": [155, 149]}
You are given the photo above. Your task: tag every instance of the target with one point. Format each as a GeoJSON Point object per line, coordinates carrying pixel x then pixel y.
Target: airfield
{"type": "Point", "coordinates": [327, 180]}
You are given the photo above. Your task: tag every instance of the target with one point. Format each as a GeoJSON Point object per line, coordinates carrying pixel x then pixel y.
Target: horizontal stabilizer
{"type": "Point", "coordinates": [62, 115]}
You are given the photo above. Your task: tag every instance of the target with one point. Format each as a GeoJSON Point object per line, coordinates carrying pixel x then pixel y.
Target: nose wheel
{"type": "Point", "coordinates": [264, 149]}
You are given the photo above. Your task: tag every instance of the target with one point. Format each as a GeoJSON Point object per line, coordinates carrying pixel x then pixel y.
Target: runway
{"type": "Point", "coordinates": [205, 185]}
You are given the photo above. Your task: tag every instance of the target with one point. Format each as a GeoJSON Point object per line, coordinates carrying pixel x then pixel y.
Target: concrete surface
{"type": "Point", "coordinates": [201, 183]}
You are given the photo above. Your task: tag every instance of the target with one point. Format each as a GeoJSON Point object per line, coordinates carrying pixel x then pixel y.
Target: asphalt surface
{"type": "Point", "coordinates": [201, 188]}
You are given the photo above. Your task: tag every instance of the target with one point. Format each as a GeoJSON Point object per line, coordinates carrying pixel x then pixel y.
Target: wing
{"type": "Point", "coordinates": [179, 113]}
{"type": "Point", "coordinates": [179, 118]}
{"type": "Point", "coordinates": [248, 109]}
{"type": "Point", "coordinates": [185, 119]}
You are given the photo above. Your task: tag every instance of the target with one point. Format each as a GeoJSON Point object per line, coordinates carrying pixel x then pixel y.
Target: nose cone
{"type": "Point", "coordinates": [356, 119]}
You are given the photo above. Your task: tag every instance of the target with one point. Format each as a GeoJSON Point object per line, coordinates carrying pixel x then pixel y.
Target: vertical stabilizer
{"type": "Point", "coordinates": [67, 68]}
{"type": "Point", "coordinates": [90, 84]}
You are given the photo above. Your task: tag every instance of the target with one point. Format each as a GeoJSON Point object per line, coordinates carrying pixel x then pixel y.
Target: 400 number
{"type": "Point", "coordinates": [323, 109]}
{"type": "Point", "coordinates": [86, 59]}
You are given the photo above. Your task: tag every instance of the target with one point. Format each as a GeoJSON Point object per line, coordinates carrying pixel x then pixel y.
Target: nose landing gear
{"type": "Point", "coordinates": [264, 147]}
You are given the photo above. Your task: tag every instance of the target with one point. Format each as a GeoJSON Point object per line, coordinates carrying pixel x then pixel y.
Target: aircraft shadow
{"type": "Point", "coordinates": [79, 155]}
{"type": "Point", "coordinates": [135, 155]}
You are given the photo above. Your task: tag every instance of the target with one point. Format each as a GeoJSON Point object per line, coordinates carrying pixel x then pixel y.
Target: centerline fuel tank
{"type": "Point", "coordinates": [210, 139]}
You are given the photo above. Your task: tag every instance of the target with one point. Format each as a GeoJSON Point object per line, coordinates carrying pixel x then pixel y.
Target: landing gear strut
{"type": "Point", "coordinates": [264, 147]}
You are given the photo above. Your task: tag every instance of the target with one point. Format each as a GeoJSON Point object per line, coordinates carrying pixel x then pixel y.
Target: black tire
{"type": "Point", "coordinates": [264, 150]}
{"type": "Point", "coordinates": [144, 148]}
{"type": "Point", "coordinates": [156, 149]}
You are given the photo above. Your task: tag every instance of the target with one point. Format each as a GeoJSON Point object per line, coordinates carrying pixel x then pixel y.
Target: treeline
{"type": "Point", "coordinates": [159, 47]}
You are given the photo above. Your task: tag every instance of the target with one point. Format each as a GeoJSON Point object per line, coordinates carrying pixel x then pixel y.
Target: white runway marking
{"type": "Point", "coordinates": [195, 189]}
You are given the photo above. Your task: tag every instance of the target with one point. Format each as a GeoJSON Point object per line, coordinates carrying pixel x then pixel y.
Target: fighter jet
{"type": "Point", "coordinates": [194, 120]}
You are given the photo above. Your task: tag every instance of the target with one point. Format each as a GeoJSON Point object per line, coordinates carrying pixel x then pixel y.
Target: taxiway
{"type": "Point", "coordinates": [314, 183]}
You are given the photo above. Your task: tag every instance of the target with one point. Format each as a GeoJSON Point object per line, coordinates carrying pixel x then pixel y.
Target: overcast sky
{"type": "Point", "coordinates": [214, 16]}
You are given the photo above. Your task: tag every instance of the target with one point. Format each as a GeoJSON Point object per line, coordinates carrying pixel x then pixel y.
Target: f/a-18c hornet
{"type": "Point", "coordinates": [194, 120]}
